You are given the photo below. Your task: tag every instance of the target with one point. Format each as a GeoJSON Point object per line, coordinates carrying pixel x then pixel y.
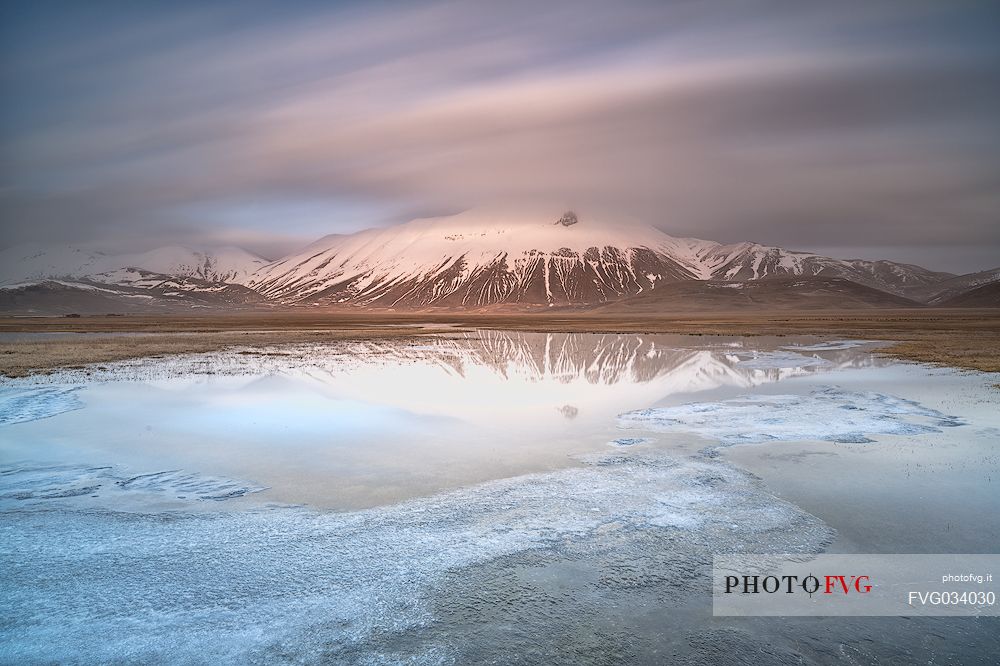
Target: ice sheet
{"type": "Point", "coordinates": [295, 585]}
{"type": "Point", "coordinates": [629, 441]}
{"type": "Point", "coordinates": [828, 414]}
{"type": "Point", "coordinates": [765, 360]}
{"type": "Point", "coordinates": [832, 345]}
{"type": "Point", "coordinates": [18, 405]}
{"type": "Point", "coordinates": [30, 484]}
{"type": "Point", "coordinates": [508, 563]}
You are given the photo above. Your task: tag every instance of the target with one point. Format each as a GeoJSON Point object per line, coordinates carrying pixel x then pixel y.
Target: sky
{"type": "Point", "coordinates": [857, 129]}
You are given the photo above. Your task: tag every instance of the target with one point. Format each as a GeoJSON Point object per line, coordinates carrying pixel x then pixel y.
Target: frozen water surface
{"type": "Point", "coordinates": [782, 359]}
{"type": "Point", "coordinates": [630, 441]}
{"type": "Point", "coordinates": [833, 345]}
{"type": "Point", "coordinates": [454, 499]}
{"type": "Point", "coordinates": [250, 585]}
{"type": "Point", "coordinates": [18, 405]}
{"type": "Point", "coordinates": [29, 484]}
{"type": "Point", "coordinates": [828, 414]}
{"type": "Point", "coordinates": [352, 425]}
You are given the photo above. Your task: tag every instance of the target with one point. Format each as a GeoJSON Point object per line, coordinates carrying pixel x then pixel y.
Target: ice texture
{"type": "Point", "coordinates": [828, 414]}
{"type": "Point", "coordinates": [31, 484]}
{"type": "Point", "coordinates": [766, 360]}
{"type": "Point", "coordinates": [832, 345]}
{"type": "Point", "coordinates": [18, 405]}
{"type": "Point", "coordinates": [295, 585]}
{"type": "Point", "coordinates": [630, 441]}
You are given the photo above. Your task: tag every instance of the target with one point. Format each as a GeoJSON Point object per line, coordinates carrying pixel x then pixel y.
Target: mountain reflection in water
{"type": "Point", "coordinates": [364, 423]}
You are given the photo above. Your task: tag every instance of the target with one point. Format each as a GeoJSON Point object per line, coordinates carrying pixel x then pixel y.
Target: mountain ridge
{"type": "Point", "coordinates": [226, 264]}
{"type": "Point", "coordinates": [479, 260]}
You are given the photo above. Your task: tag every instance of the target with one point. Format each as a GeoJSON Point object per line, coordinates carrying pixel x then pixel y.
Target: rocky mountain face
{"type": "Point", "coordinates": [478, 260]}
{"type": "Point", "coordinates": [475, 260]}
{"type": "Point", "coordinates": [776, 293]}
{"type": "Point", "coordinates": [161, 294]}
{"type": "Point", "coordinates": [749, 261]}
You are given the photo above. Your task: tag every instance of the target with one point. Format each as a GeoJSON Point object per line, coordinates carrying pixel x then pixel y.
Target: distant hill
{"type": "Point", "coordinates": [944, 290]}
{"type": "Point", "coordinates": [985, 296]}
{"type": "Point", "coordinates": [161, 294]}
{"type": "Point", "coordinates": [813, 293]}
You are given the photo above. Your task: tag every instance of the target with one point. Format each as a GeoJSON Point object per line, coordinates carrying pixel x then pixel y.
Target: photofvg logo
{"type": "Point", "coordinates": [855, 585]}
{"type": "Point", "coordinates": [810, 584]}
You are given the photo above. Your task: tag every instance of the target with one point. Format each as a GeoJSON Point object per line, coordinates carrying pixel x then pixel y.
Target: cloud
{"type": "Point", "coordinates": [846, 125]}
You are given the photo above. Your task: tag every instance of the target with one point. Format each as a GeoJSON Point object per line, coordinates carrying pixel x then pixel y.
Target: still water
{"type": "Point", "coordinates": [489, 496]}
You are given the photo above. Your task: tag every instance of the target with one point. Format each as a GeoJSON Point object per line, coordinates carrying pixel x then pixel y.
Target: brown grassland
{"type": "Point", "coordinates": [964, 338]}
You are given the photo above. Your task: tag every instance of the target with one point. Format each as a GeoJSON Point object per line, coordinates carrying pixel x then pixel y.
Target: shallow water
{"type": "Point", "coordinates": [347, 426]}
{"type": "Point", "coordinates": [507, 497]}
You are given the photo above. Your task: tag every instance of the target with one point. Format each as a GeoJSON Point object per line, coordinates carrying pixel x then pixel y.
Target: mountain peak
{"type": "Point", "coordinates": [486, 257]}
{"type": "Point", "coordinates": [568, 219]}
{"type": "Point", "coordinates": [477, 258]}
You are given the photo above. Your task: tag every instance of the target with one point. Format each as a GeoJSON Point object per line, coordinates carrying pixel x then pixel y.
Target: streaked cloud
{"type": "Point", "coordinates": [828, 125]}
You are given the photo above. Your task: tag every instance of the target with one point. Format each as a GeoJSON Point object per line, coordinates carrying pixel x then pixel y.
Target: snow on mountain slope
{"type": "Point", "coordinates": [903, 279]}
{"type": "Point", "coordinates": [152, 293]}
{"type": "Point", "coordinates": [32, 261]}
{"type": "Point", "coordinates": [479, 259]}
{"type": "Point", "coordinates": [471, 260]}
{"type": "Point", "coordinates": [224, 264]}
{"type": "Point", "coordinates": [487, 258]}
{"type": "Point", "coordinates": [750, 261]}
{"type": "Point", "coordinates": [35, 262]}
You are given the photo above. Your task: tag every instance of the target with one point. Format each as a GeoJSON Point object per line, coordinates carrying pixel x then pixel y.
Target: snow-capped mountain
{"type": "Point", "coordinates": [25, 263]}
{"type": "Point", "coordinates": [750, 261]}
{"type": "Point", "coordinates": [67, 279]}
{"type": "Point", "coordinates": [478, 259]}
{"type": "Point", "coordinates": [473, 260]}
{"type": "Point", "coordinates": [228, 264]}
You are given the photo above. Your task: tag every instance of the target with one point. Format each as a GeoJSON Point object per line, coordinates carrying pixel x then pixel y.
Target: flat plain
{"type": "Point", "coordinates": [963, 338]}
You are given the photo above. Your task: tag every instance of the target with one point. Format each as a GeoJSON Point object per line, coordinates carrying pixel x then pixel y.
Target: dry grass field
{"type": "Point", "coordinates": [964, 338]}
